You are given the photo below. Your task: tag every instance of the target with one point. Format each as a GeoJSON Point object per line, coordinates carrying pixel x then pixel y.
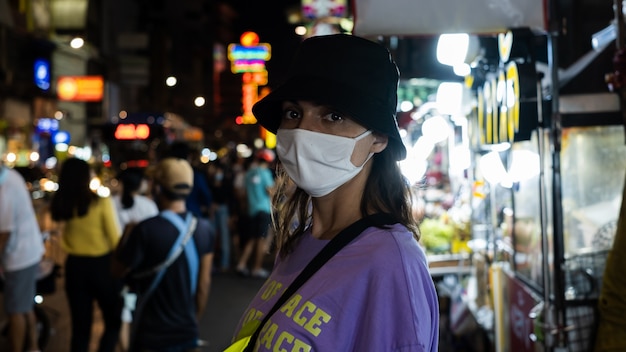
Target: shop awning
{"type": "Point", "coordinates": [427, 17]}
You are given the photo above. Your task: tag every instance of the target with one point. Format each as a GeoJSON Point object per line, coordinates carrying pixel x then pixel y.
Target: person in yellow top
{"type": "Point", "coordinates": [90, 234]}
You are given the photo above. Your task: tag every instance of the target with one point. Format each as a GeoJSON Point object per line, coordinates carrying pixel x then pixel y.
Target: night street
{"type": "Point", "coordinates": [229, 297]}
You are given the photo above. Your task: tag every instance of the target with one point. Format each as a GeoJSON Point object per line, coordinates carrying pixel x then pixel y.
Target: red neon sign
{"type": "Point", "coordinates": [130, 131]}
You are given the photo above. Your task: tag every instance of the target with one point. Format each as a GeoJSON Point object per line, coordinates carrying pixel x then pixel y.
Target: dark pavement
{"type": "Point", "coordinates": [228, 299]}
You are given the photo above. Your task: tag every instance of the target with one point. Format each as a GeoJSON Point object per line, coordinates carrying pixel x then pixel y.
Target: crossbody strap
{"type": "Point", "coordinates": [186, 230]}
{"type": "Point", "coordinates": [187, 246]}
{"type": "Point", "coordinates": [335, 245]}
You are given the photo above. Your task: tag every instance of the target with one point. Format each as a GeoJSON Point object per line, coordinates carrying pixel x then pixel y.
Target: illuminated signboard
{"type": "Point", "coordinates": [313, 9]}
{"type": "Point", "coordinates": [80, 88]}
{"type": "Point", "coordinates": [248, 58]}
{"type": "Point", "coordinates": [132, 131]}
{"type": "Point", "coordinates": [250, 55]}
{"type": "Point", "coordinates": [41, 74]}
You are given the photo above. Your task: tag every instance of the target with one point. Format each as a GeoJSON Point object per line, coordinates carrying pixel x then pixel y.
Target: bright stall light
{"type": "Point", "coordinates": [452, 48]}
{"type": "Point", "coordinates": [413, 169]}
{"type": "Point", "coordinates": [406, 105]}
{"type": "Point", "coordinates": [457, 48]}
{"type": "Point", "coordinates": [11, 157]}
{"type": "Point", "coordinates": [449, 98]}
{"type": "Point", "coordinates": [300, 30]}
{"type": "Point", "coordinates": [77, 43]}
{"type": "Point", "coordinates": [243, 150]}
{"type": "Point", "coordinates": [34, 156]}
{"type": "Point", "coordinates": [94, 184]}
{"type": "Point", "coordinates": [61, 147]}
{"type": "Point", "coordinates": [492, 168]}
{"type": "Point", "coordinates": [415, 165]}
{"type": "Point", "coordinates": [422, 148]}
{"type": "Point", "coordinates": [170, 81]}
{"type": "Point", "coordinates": [524, 165]}
{"type": "Point", "coordinates": [436, 129]}
{"type": "Point", "coordinates": [103, 191]}
{"type": "Point", "coordinates": [51, 162]}
{"type": "Point", "coordinates": [199, 101]}
{"type": "Point", "coordinates": [462, 70]}
{"type": "Point", "coordinates": [258, 143]}
{"type": "Point", "coordinates": [460, 158]}
{"type": "Point", "coordinates": [49, 185]}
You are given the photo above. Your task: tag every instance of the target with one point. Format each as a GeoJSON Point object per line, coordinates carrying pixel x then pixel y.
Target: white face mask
{"type": "Point", "coordinates": [317, 162]}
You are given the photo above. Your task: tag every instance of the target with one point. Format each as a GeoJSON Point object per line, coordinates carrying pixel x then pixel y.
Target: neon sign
{"type": "Point", "coordinates": [249, 58]}
{"type": "Point", "coordinates": [41, 70]}
{"type": "Point", "coordinates": [132, 132]}
{"type": "Point", "coordinates": [250, 55]}
{"type": "Point", "coordinates": [80, 88]}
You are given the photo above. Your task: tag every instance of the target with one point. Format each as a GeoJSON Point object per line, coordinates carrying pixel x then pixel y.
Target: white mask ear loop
{"type": "Point", "coordinates": [363, 135]}
{"type": "Point", "coordinates": [358, 138]}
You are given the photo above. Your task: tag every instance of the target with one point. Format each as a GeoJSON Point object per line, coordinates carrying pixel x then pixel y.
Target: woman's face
{"type": "Point", "coordinates": [324, 119]}
{"type": "Point", "coordinates": [318, 118]}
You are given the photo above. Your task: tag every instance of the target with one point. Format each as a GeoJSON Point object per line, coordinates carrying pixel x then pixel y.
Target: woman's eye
{"type": "Point", "coordinates": [290, 114]}
{"type": "Point", "coordinates": [333, 116]}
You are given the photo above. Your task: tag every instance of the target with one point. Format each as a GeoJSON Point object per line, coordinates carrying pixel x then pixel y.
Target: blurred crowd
{"type": "Point", "coordinates": [231, 194]}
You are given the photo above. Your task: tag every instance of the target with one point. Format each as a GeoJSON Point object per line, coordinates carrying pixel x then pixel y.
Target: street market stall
{"type": "Point", "coordinates": [548, 164]}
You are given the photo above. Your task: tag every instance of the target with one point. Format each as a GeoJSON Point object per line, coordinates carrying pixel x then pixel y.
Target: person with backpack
{"type": "Point", "coordinates": [168, 260]}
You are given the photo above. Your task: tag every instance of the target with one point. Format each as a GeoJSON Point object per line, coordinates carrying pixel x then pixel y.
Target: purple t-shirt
{"type": "Point", "coordinates": [376, 294]}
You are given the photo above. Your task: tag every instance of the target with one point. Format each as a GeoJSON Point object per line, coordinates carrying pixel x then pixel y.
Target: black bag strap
{"type": "Point", "coordinates": [335, 245]}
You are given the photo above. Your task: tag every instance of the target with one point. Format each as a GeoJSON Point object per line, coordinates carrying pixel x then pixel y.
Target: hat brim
{"type": "Point", "coordinates": [356, 104]}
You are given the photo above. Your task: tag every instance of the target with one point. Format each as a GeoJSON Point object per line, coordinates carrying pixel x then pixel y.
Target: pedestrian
{"type": "Point", "coordinates": [221, 184]}
{"type": "Point", "coordinates": [368, 288]}
{"type": "Point", "coordinates": [21, 250]}
{"type": "Point", "coordinates": [200, 200]}
{"type": "Point", "coordinates": [258, 181]}
{"type": "Point", "coordinates": [132, 207]}
{"type": "Point", "coordinates": [131, 204]}
{"type": "Point", "coordinates": [90, 232]}
{"type": "Point", "coordinates": [169, 258]}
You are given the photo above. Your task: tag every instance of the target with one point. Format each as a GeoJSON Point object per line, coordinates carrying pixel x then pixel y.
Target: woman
{"type": "Point", "coordinates": [132, 208]}
{"type": "Point", "coordinates": [338, 140]}
{"type": "Point", "coordinates": [89, 236]}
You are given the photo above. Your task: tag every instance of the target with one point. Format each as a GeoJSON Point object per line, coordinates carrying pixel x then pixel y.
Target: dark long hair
{"type": "Point", "coordinates": [73, 196]}
{"type": "Point", "coordinates": [131, 182]}
{"type": "Point", "coordinates": [386, 191]}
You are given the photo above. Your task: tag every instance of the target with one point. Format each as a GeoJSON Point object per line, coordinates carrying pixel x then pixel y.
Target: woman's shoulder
{"type": "Point", "coordinates": [392, 243]}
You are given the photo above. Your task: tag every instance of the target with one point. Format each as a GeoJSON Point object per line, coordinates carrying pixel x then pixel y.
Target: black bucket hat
{"type": "Point", "coordinates": [354, 75]}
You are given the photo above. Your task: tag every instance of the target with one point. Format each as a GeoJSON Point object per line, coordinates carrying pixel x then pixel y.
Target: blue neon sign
{"type": "Point", "coordinates": [41, 71]}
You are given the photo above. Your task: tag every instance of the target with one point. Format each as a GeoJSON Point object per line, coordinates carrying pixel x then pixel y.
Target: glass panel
{"type": "Point", "coordinates": [593, 163]}
{"type": "Point", "coordinates": [525, 223]}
